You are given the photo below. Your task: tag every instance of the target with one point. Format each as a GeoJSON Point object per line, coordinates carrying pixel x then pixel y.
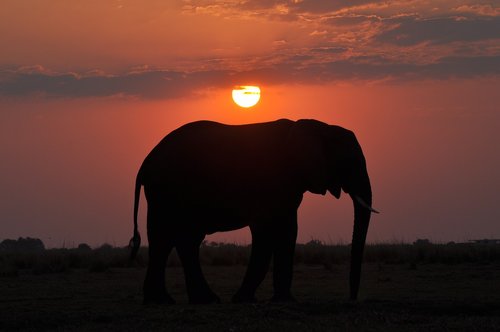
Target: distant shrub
{"type": "Point", "coordinates": [106, 247]}
{"type": "Point", "coordinates": [106, 256]}
{"type": "Point", "coordinates": [64, 260]}
{"type": "Point", "coordinates": [22, 244]}
{"type": "Point", "coordinates": [84, 247]}
{"type": "Point", "coordinates": [315, 252]}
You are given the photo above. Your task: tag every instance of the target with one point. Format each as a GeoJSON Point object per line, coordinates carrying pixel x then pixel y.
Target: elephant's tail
{"type": "Point", "coordinates": [135, 242]}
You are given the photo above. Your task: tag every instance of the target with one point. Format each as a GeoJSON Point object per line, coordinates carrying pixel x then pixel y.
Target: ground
{"type": "Point", "coordinates": [393, 297]}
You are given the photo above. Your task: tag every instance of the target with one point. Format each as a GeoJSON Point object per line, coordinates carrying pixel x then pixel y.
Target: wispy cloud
{"type": "Point", "coordinates": [479, 9]}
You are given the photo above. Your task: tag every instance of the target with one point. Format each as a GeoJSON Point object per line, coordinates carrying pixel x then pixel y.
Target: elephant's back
{"type": "Point", "coordinates": [211, 132]}
{"type": "Point", "coordinates": [207, 150]}
{"type": "Point", "coordinates": [196, 139]}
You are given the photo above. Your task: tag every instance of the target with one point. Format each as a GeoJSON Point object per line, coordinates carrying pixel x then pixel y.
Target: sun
{"type": "Point", "coordinates": [246, 95]}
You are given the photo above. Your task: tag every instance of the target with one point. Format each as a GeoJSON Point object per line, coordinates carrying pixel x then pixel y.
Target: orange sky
{"type": "Point", "coordinates": [87, 88]}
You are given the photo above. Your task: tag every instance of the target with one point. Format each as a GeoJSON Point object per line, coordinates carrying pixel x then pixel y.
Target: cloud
{"type": "Point", "coordinates": [464, 67]}
{"type": "Point", "coordinates": [280, 42]}
{"type": "Point", "coordinates": [149, 84]}
{"type": "Point", "coordinates": [479, 9]}
{"type": "Point", "coordinates": [164, 84]}
{"type": "Point", "coordinates": [441, 31]}
{"type": "Point", "coordinates": [287, 10]}
{"type": "Point", "coordinates": [349, 20]}
{"type": "Point", "coordinates": [318, 33]}
{"type": "Point", "coordinates": [313, 42]}
{"type": "Point", "coordinates": [314, 6]}
{"type": "Point", "coordinates": [329, 50]}
{"type": "Point", "coordinates": [299, 7]}
{"type": "Point", "coordinates": [377, 68]}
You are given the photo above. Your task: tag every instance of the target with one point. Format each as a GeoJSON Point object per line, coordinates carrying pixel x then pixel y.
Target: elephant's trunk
{"type": "Point", "coordinates": [361, 221]}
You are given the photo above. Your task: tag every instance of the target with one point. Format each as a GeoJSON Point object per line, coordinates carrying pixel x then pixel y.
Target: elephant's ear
{"type": "Point", "coordinates": [307, 153]}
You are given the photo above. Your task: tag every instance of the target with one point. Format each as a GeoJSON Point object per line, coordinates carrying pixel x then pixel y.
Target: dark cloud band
{"type": "Point", "coordinates": [441, 31]}
{"type": "Point", "coordinates": [164, 84]}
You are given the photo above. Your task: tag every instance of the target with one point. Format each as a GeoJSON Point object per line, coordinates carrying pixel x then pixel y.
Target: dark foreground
{"type": "Point", "coordinates": [402, 297]}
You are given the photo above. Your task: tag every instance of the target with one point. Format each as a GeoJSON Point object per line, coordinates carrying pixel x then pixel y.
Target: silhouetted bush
{"type": "Point", "coordinates": [22, 244]}
{"type": "Point", "coordinates": [14, 260]}
{"type": "Point", "coordinates": [106, 247]}
{"type": "Point", "coordinates": [105, 257]}
{"type": "Point", "coordinates": [84, 247]}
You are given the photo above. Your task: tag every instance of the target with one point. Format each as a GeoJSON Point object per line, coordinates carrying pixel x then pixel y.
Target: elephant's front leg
{"type": "Point", "coordinates": [258, 266]}
{"type": "Point", "coordinates": [188, 248]}
{"type": "Point", "coordinates": [284, 251]}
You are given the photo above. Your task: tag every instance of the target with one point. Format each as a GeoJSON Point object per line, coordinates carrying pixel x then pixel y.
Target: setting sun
{"type": "Point", "coordinates": [246, 96]}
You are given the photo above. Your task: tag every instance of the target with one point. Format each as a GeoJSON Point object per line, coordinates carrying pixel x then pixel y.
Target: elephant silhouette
{"type": "Point", "coordinates": [207, 177]}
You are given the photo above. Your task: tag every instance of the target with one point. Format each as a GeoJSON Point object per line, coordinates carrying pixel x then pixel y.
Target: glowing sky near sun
{"type": "Point", "coordinates": [87, 88]}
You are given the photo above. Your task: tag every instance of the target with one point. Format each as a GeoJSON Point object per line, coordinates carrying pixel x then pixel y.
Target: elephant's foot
{"type": "Point", "coordinates": [204, 299]}
{"type": "Point", "coordinates": [243, 298]}
{"type": "Point", "coordinates": [287, 297]}
{"type": "Point", "coordinates": [158, 299]}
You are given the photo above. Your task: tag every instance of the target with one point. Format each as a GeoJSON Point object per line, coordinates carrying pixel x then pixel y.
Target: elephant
{"type": "Point", "coordinates": [207, 177]}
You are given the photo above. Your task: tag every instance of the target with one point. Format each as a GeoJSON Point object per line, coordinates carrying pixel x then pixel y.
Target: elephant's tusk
{"type": "Point", "coordinates": [363, 204]}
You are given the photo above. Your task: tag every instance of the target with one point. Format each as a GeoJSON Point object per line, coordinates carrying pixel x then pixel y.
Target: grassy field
{"type": "Point", "coordinates": [404, 288]}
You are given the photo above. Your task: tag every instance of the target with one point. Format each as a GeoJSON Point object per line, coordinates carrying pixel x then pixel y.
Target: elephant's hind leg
{"type": "Point", "coordinates": [197, 287]}
{"type": "Point", "coordinates": [159, 248]}
{"type": "Point", "coordinates": [154, 283]}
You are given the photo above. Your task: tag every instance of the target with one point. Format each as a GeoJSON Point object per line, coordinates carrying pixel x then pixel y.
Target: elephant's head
{"type": "Point", "coordinates": [330, 159]}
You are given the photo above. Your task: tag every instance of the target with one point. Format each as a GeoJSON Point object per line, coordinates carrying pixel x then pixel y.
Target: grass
{"type": "Point", "coordinates": [404, 288]}
{"type": "Point", "coordinates": [222, 254]}
{"type": "Point", "coordinates": [435, 297]}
